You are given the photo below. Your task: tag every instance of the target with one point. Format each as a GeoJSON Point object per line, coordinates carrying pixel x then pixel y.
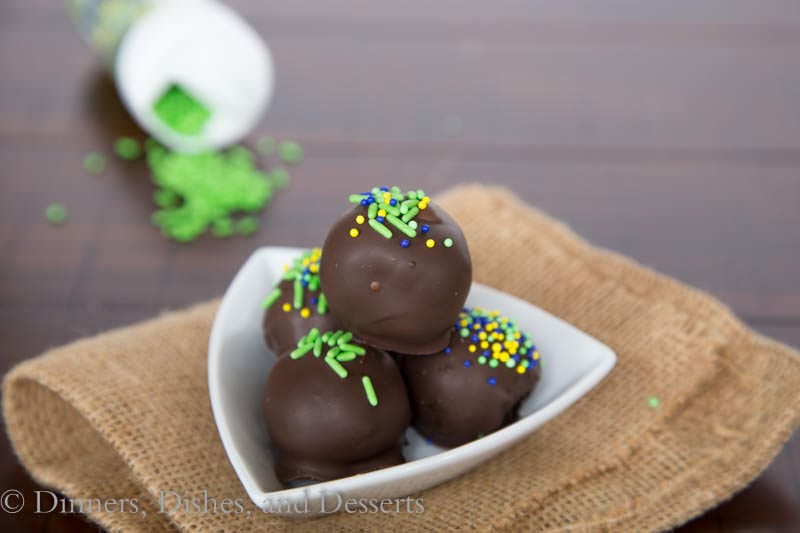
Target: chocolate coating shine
{"type": "Point", "coordinates": [282, 329]}
{"type": "Point", "coordinates": [396, 298]}
{"type": "Point", "coordinates": [324, 426]}
{"type": "Point", "coordinates": [453, 404]}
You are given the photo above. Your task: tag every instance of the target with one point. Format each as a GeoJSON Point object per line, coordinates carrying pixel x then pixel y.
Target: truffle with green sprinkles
{"type": "Point", "coordinates": [296, 304]}
{"type": "Point", "coordinates": [335, 407]}
{"type": "Point", "coordinates": [396, 270]}
{"type": "Point", "coordinates": [205, 190]}
{"type": "Point", "coordinates": [488, 367]}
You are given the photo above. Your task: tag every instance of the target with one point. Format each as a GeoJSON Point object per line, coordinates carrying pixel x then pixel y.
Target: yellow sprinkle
{"type": "Point", "coordinates": [496, 355]}
{"type": "Point", "coordinates": [484, 345]}
{"type": "Point", "coordinates": [381, 212]}
{"type": "Point", "coordinates": [314, 269]}
{"type": "Point", "coordinates": [504, 356]}
{"type": "Point", "coordinates": [476, 326]}
{"type": "Point", "coordinates": [472, 348]}
{"type": "Point", "coordinates": [520, 369]}
{"type": "Point", "coordinates": [354, 232]}
{"type": "Point", "coordinates": [305, 313]}
{"type": "Point", "coordinates": [360, 219]}
{"type": "Point", "coordinates": [517, 335]}
{"type": "Point", "coordinates": [496, 347]}
{"type": "Point", "coordinates": [536, 355]}
{"type": "Point", "coordinates": [426, 199]}
{"type": "Point", "coordinates": [430, 243]}
{"type": "Point", "coordinates": [286, 307]}
{"type": "Point", "coordinates": [422, 205]}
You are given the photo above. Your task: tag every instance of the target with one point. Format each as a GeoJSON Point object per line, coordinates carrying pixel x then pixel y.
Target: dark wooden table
{"type": "Point", "coordinates": [668, 131]}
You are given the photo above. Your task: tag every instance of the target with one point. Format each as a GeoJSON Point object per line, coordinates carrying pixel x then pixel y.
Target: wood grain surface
{"type": "Point", "coordinates": [667, 131]}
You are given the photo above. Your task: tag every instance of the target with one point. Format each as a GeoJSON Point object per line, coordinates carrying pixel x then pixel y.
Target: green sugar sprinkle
{"type": "Point", "coordinates": [380, 228]}
{"type": "Point", "coordinates": [300, 351]}
{"type": "Point", "coordinates": [94, 163]}
{"type": "Point", "coordinates": [197, 192]}
{"type": "Point", "coordinates": [127, 148]}
{"type": "Point", "coordinates": [297, 302]}
{"type": "Point", "coordinates": [55, 214]}
{"type": "Point", "coordinates": [346, 356]}
{"type": "Point", "coordinates": [247, 226]}
{"type": "Point", "coordinates": [318, 347]}
{"type": "Point", "coordinates": [653, 402]}
{"type": "Point", "coordinates": [165, 198]}
{"type": "Point", "coordinates": [182, 112]}
{"type": "Point", "coordinates": [372, 398]}
{"type": "Point", "coordinates": [280, 177]}
{"type": "Point", "coordinates": [322, 304]}
{"type": "Point", "coordinates": [222, 227]}
{"type": "Point", "coordinates": [290, 152]}
{"type": "Point", "coordinates": [271, 298]}
{"type": "Point", "coordinates": [265, 145]}
{"type": "Point", "coordinates": [337, 367]}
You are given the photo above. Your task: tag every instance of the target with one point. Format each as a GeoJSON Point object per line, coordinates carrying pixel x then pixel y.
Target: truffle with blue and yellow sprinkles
{"type": "Point", "coordinates": [475, 384]}
{"type": "Point", "coordinates": [396, 270]}
{"type": "Point", "coordinates": [296, 304]}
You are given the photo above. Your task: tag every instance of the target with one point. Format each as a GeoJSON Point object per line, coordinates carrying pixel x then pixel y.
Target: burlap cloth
{"type": "Point", "coordinates": [126, 414]}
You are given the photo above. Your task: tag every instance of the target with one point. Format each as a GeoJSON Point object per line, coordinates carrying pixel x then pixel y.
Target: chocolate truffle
{"type": "Point", "coordinates": [396, 271]}
{"type": "Point", "coordinates": [475, 385]}
{"type": "Point", "coordinates": [335, 407]}
{"type": "Point", "coordinates": [296, 305]}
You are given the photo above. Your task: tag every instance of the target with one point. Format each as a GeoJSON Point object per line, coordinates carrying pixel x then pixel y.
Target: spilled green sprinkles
{"type": "Point", "coordinates": [338, 349]}
{"type": "Point", "coordinates": [198, 191]}
{"type": "Point", "coordinates": [55, 214]}
{"type": "Point", "coordinates": [181, 111]}
{"type": "Point", "coordinates": [290, 152]}
{"type": "Point", "coordinates": [372, 398]}
{"type": "Point", "coordinates": [127, 148]}
{"type": "Point", "coordinates": [94, 163]}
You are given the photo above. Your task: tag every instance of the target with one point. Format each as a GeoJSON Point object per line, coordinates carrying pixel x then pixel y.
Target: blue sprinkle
{"type": "Point", "coordinates": [467, 363]}
{"type": "Point", "coordinates": [424, 228]}
{"type": "Point", "coordinates": [392, 202]}
{"type": "Point", "coordinates": [474, 338]}
{"type": "Point", "coordinates": [364, 202]}
{"type": "Point", "coordinates": [486, 353]}
{"type": "Point", "coordinates": [313, 301]}
{"type": "Point", "coordinates": [448, 350]}
{"type": "Point", "coordinates": [379, 219]}
{"type": "Point", "coordinates": [492, 381]}
{"type": "Point", "coordinates": [404, 243]}
{"type": "Point", "coordinates": [304, 283]}
{"type": "Point", "coordinates": [385, 189]}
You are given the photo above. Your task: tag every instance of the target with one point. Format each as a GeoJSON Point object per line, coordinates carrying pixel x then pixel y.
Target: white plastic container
{"type": "Point", "coordinates": [201, 46]}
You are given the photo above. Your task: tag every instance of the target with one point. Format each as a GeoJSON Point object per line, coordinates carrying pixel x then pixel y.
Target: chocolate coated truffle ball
{"type": "Point", "coordinates": [396, 271]}
{"type": "Point", "coordinates": [296, 305]}
{"type": "Point", "coordinates": [475, 385]}
{"type": "Point", "coordinates": [335, 407]}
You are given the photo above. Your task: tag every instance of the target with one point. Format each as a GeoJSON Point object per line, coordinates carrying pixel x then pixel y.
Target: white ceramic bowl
{"type": "Point", "coordinates": [239, 362]}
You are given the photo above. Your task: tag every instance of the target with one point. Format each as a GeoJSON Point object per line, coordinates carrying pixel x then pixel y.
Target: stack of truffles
{"type": "Point", "coordinates": [372, 335]}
